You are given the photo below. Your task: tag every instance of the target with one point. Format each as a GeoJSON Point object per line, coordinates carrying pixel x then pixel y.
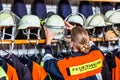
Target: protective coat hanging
{"type": "Point", "coordinates": [85, 8]}
{"type": "Point", "coordinates": [19, 8]}
{"type": "Point", "coordinates": [39, 8]}
{"type": "Point", "coordinates": [1, 7]}
{"type": "Point", "coordinates": [117, 6]}
{"type": "Point", "coordinates": [106, 6]}
{"type": "Point", "coordinates": [64, 8]}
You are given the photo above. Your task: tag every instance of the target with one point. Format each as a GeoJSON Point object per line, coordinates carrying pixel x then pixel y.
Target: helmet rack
{"type": "Point", "coordinates": [42, 41]}
{"type": "Point", "coordinates": [102, 0]}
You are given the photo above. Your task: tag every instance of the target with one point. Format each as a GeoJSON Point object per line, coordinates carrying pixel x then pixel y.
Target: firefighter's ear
{"type": "Point", "coordinates": [73, 45]}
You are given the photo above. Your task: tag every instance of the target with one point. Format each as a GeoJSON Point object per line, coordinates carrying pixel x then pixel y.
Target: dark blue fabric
{"type": "Point", "coordinates": [64, 8]}
{"type": "Point", "coordinates": [49, 14]}
{"type": "Point", "coordinates": [1, 7]}
{"type": "Point", "coordinates": [19, 8]}
{"type": "Point", "coordinates": [52, 68]}
{"type": "Point", "coordinates": [106, 6]}
{"type": "Point", "coordinates": [117, 6]}
{"type": "Point", "coordinates": [85, 8]}
{"type": "Point", "coordinates": [39, 8]}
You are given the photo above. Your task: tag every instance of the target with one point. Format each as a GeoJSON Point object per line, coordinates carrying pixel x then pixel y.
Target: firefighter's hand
{"type": "Point", "coordinates": [49, 36]}
{"type": "Point", "coordinates": [68, 25]}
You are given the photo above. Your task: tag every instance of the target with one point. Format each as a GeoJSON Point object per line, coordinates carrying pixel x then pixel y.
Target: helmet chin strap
{"type": "Point", "coordinates": [27, 33]}
{"type": "Point", "coordinates": [11, 47]}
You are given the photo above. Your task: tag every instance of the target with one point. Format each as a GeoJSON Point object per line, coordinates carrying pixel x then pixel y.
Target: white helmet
{"type": "Point", "coordinates": [8, 20]}
{"type": "Point", "coordinates": [28, 23]}
{"type": "Point", "coordinates": [97, 20]}
{"type": "Point", "coordinates": [113, 16]}
{"type": "Point", "coordinates": [8, 25]}
{"type": "Point", "coordinates": [76, 18]}
{"type": "Point", "coordinates": [55, 24]}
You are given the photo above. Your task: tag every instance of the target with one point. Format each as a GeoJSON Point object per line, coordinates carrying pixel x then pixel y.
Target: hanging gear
{"type": "Point", "coordinates": [19, 8]}
{"type": "Point", "coordinates": [76, 19]}
{"type": "Point", "coordinates": [8, 26]}
{"type": "Point", "coordinates": [29, 22]}
{"type": "Point", "coordinates": [72, 69]}
{"type": "Point", "coordinates": [97, 20]}
{"type": "Point", "coordinates": [8, 20]}
{"type": "Point", "coordinates": [3, 74]}
{"type": "Point", "coordinates": [111, 35]}
{"type": "Point", "coordinates": [55, 24]}
{"type": "Point", "coordinates": [1, 7]}
{"type": "Point", "coordinates": [113, 16]}
{"type": "Point", "coordinates": [85, 8]}
{"type": "Point", "coordinates": [117, 6]}
{"type": "Point", "coordinates": [106, 6]}
{"type": "Point", "coordinates": [39, 8]}
{"type": "Point", "coordinates": [64, 8]}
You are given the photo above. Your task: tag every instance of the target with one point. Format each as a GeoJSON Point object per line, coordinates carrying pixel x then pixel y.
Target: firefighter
{"type": "Point", "coordinates": [85, 62]}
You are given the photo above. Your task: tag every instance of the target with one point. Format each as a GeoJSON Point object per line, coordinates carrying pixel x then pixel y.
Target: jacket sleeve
{"type": "Point", "coordinates": [50, 64]}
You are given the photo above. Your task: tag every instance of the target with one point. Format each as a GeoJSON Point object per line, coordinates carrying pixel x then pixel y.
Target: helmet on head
{"type": "Point", "coordinates": [76, 18]}
{"type": "Point", "coordinates": [55, 24]}
{"type": "Point", "coordinates": [113, 16]}
{"type": "Point", "coordinates": [97, 20]}
{"type": "Point", "coordinates": [29, 22]}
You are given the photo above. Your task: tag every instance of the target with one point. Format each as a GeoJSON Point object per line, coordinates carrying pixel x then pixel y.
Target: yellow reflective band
{"type": "Point", "coordinates": [85, 67]}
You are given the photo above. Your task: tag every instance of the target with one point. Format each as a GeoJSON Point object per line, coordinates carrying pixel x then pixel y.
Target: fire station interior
{"type": "Point", "coordinates": [103, 37]}
{"type": "Point", "coordinates": [105, 32]}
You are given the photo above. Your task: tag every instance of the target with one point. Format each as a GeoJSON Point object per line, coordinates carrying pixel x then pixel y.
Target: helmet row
{"type": "Point", "coordinates": [56, 24]}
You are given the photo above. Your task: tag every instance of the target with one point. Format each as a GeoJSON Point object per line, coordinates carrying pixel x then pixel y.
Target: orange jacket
{"type": "Point", "coordinates": [116, 70]}
{"type": "Point", "coordinates": [38, 72]}
{"type": "Point", "coordinates": [11, 73]}
{"type": "Point", "coordinates": [80, 67]}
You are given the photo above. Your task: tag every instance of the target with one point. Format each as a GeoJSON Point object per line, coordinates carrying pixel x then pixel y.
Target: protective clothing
{"type": "Point", "coordinates": [1, 7]}
{"type": "Point", "coordinates": [64, 8]}
{"type": "Point", "coordinates": [85, 8]}
{"type": "Point", "coordinates": [19, 8]}
{"type": "Point", "coordinates": [28, 23]}
{"type": "Point", "coordinates": [117, 6]}
{"type": "Point", "coordinates": [113, 16]}
{"type": "Point", "coordinates": [55, 24]}
{"type": "Point", "coordinates": [38, 72]}
{"type": "Point", "coordinates": [73, 69]}
{"type": "Point", "coordinates": [106, 6]}
{"type": "Point", "coordinates": [97, 20]}
{"type": "Point", "coordinates": [3, 74]}
{"type": "Point", "coordinates": [39, 8]}
{"type": "Point", "coordinates": [8, 24]}
{"type": "Point", "coordinates": [11, 73]}
{"type": "Point", "coordinates": [76, 18]}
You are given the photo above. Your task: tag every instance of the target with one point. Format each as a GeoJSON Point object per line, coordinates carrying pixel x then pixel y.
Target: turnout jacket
{"type": "Point", "coordinates": [76, 66]}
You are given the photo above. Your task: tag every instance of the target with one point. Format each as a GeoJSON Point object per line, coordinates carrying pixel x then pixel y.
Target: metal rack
{"type": "Point", "coordinates": [42, 41]}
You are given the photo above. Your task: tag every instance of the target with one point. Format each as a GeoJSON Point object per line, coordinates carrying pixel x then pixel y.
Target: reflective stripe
{"type": "Point", "coordinates": [85, 67]}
